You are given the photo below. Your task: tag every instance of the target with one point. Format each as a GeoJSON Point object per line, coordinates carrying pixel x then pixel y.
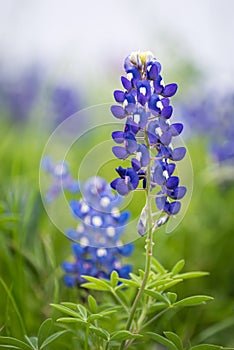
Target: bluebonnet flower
{"type": "Point", "coordinates": [18, 95]}
{"type": "Point", "coordinates": [65, 102]}
{"type": "Point", "coordinates": [62, 179]}
{"type": "Point", "coordinates": [99, 230]}
{"type": "Point", "coordinates": [212, 117]}
{"type": "Point", "coordinates": [147, 136]}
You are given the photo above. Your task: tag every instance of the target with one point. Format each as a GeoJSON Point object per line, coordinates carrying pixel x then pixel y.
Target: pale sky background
{"type": "Point", "coordinates": [80, 38]}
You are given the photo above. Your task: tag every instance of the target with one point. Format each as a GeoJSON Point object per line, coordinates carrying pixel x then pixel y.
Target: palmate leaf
{"type": "Point", "coordinates": [44, 331]}
{"type": "Point", "coordinates": [66, 310]}
{"type": "Point", "coordinates": [52, 338]}
{"type": "Point", "coordinates": [102, 333]}
{"type": "Point", "coordinates": [175, 339]}
{"type": "Point", "coordinates": [14, 343]}
{"type": "Point", "coordinates": [32, 341]}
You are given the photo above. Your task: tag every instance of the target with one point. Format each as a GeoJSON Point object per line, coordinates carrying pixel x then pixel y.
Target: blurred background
{"type": "Point", "coordinates": [57, 58]}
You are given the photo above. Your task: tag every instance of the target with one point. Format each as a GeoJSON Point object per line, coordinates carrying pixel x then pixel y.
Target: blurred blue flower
{"type": "Point", "coordinates": [19, 94]}
{"type": "Point", "coordinates": [213, 118]}
{"type": "Point", "coordinates": [61, 178]}
{"type": "Point", "coordinates": [147, 135]}
{"type": "Point", "coordinates": [65, 101]}
{"type": "Point", "coordinates": [99, 249]}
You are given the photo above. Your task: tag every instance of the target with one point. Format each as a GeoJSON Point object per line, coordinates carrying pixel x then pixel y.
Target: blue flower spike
{"type": "Point", "coordinates": [98, 249]}
{"type": "Point", "coordinates": [147, 138]}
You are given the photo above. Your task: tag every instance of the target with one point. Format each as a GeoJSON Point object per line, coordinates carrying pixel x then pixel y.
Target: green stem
{"type": "Point", "coordinates": [149, 251]}
{"type": "Point", "coordinates": [119, 300]}
{"type": "Point", "coordinates": [87, 337]}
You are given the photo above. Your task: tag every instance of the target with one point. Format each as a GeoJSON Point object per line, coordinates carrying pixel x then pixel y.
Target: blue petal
{"type": "Point", "coordinates": [153, 72]}
{"type": "Point", "coordinates": [120, 152]}
{"type": "Point", "coordinates": [166, 138]}
{"type": "Point", "coordinates": [119, 96]}
{"type": "Point", "coordinates": [69, 267]}
{"type": "Point", "coordinates": [170, 90]}
{"type": "Point", "coordinates": [176, 129]}
{"type": "Point", "coordinates": [136, 164]}
{"type": "Point", "coordinates": [118, 136]}
{"type": "Point", "coordinates": [122, 188]}
{"type": "Point", "coordinates": [126, 83]}
{"type": "Point", "coordinates": [134, 178]}
{"type": "Point", "coordinates": [178, 153]}
{"type": "Point", "coordinates": [167, 112]}
{"type": "Point", "coordinates": [175, 207]}
{"type": "Point", "coordinates": [160, 201]}
{"type": "Point", "coordinates": [153, 103]}
{"type": "Point", "coordinates": [69, 281]}
{"type": "Point", "coordinates": [172, 182]}
{"type": "Point", "coordinates": [118, 112]}
{"type": "Point", "coordinates": [126, 249]}
{"type": "Point", "coordinates": [158, 176]}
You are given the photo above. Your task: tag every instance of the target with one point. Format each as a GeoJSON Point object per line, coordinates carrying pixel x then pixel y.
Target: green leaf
{"type": "Point", "coordinates": [178, 267]}
{"type": "Point", "coordinates": [9, 341]}
{"type": "Point", "coordinates": [141, 273]}
{"type": "Point", "coordinates": [207, 347]}
{"type": "Point", "coordinates": [71, 320]}
{"type": "Point", "coordinates": [44, 330]}
{"type": "Point", "coordinates": [172, 284]}
{"type": "Point", "coordinates": [175, 339]}
{"type": "Point", "coordinates": [156, 295]}
{"type": "Point", "coordinates": [193, 274]}
{"type": "Point", "coordinates": [94, 286]}
{"type": "Point", "coordinates": [94, 317]}
{"type": "Point", "coordinates": [33, 342]}
{"type": "Point", "coordinates": [168, 343]}
{"type": "Point", "coordinates": [158, 307]}
{"type": "Point", "coordinates": [92, 304]}
{"type": "Point", "coordinates": [135, 278]}
{"type": "Point", "coordinates": [172, 297]}
{"type": "Point", "coordinates": [83, 311]}
{"type": "Point", "coordinates": [123, 297]}
{"type": "Point", "coordinates": [193, 301]}
{"type": "Point", "coordinates": [159, 283]}
{"type": "Point", "coordinates": [66, 310]}
{"type": "Point", "coordinates": [129, 283]}
{"type": "Point", "coordinates": [102, 333]}
{"type": "Point", "coordinates": [124, 335]}
{"type": "Point", "coordinates": [70, 305]}
{"type": "Point", "coordinates": [114, 278]}
{"type": "Point", "coordinates": [157, 266]}
{"type": "Point", "coordinates": [97, 281]}
{"type": "Point", "coordinates": [52, 338]}
{"type": "Point", "coordinates": [14, 304]}
{"type": "Point", "coordinates": [10, 347]}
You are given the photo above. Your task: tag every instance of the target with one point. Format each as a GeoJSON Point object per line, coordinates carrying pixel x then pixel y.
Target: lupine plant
{"type": "Point", "coordinates": [212, 118]}
{"type": "Point", "coordinates": [123, 309]}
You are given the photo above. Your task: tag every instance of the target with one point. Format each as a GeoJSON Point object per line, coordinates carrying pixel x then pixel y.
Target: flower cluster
{"type": "Point", "coordinates": [148, 133]}
{"type": "Point", "coordinates": [213, 118]}
{"type": "Point", "coordinates": [100, 227]}
{"type": "Point", "coordinates": [62, 179]}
